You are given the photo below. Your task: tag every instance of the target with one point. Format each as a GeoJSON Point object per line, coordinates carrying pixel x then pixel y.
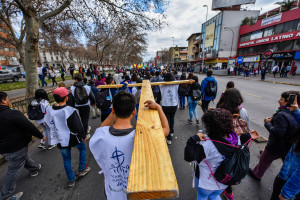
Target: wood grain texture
{"type": "Point", "coordinates": [151, 174]}
{"type": "Point", "coordinates": [140, 84]}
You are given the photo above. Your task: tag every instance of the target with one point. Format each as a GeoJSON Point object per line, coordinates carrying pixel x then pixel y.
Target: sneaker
{"type": "Point", "coordinates": [72, 184]}
{"type": "Point", "coordinates": [190, 121]}
{"type": "Point", "coordinates": [84, 172]}
{"type": "Point", "coordinates": [17, 196]}
{"type": "Point", "coordinates": [169, 142]}
{"type": "Point", "coordinates": [88, 136]}
{"type": "Point", "coordinates": [89, 129]}
{"type": "Point", "coordinates": [42, 146]}
{"type": "Point", "coordinates": [250, 173]}
{"type": "Point", "coordinates": [197, 121]}
{"type": "Point", "coordinates": [172, 134]}
{"type": "Point", "coordinates": [228, 196]}
{"type": "Point", "coordinates": [51, 146]}
{"type": "Point", "coordinates": [33, 174]}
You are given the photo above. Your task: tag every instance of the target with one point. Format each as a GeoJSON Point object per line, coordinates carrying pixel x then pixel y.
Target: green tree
{"type": "Point", "coordinates": [287, 5]}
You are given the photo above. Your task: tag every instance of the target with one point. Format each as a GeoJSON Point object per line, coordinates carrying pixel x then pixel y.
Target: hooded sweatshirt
{"type": "Point", "coordinates": [203, 88]}
{"type": "Point", "coordinates": [16, 130]}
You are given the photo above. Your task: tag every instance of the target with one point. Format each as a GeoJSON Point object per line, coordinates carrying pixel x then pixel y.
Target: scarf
{"type": "Point", "coordinates": [280, 109]}
{"type": "Point", "coordinates": [233, 138]}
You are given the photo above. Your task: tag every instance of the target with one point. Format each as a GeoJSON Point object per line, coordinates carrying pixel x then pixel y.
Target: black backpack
{"type": "Point", "coordinates": [211, 89]}
{"type": "Point", "coordinates": [88, 73]}
{"type": "Point", "coordinates": [103, 100]}
{"type": "Point", "coordinates": [34, 110]}
{"type": "Point", "coordinates": [234, 169]}
{"type": "Point", "coordinates": [81, 96]}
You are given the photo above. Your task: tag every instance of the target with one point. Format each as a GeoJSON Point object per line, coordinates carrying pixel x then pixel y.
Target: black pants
{"type": "Point", "coordinates": [157, 97]}
{"type": "Point", "coordinates": [53, 81]}
{"type": "Point", "coordinates": [170, 114]}
{"type": "Point", "coordinates": [62, 76]}
{"type": "Point", "coordinates": [263, 76]}
{"type": "Point", "coordinates": [277, 187]}
{"type": "Point", "coordinates": [72, 74]}
{"type": "Point", "coordinates": [84, 113]}
{"type": "Point", "coordinates": [204, 105]}
{"type": "Point", "coordinates": [104, 116]}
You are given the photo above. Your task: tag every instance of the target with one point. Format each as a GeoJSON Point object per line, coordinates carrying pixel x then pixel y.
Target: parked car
{"type": "Point", "coordinates": [6, 75]}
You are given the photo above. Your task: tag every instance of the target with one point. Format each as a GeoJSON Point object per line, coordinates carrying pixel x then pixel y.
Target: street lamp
{"type": "Point", "coordinates": [203, 38]}
{"type": "Point", "coordinates": [173, 53]}
{"type": "Point", "coordinates": [227, 28]}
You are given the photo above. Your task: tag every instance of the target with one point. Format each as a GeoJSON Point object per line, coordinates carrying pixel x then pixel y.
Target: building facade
{"type": "Point", "coordinates": [8, 54]}
{"type": "Point", "coordinates": [272, 40]}
{"type": "Point", "coordinates": [220, 36]}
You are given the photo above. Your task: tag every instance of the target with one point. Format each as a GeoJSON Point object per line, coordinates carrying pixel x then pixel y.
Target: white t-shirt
{"type": "Point", "coordinates": [40, 70]}
{"type": "Point", "coordinates": [52, 73]}
{"type": "Point", "coordinates": [169, 95]}
{"type": "Point", "coordinates": [113, 155]}
{"type": "Point", "coordinates": [116, 78]}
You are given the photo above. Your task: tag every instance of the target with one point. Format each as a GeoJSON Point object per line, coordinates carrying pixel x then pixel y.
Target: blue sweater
{"type": "Point", "coordinates": [203, 87]}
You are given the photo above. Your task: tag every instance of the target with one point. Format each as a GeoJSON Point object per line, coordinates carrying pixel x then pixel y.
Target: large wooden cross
{"type": "Point", "coordinates": [151, 174]}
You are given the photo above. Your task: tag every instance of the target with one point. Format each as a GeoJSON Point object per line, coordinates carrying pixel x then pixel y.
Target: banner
{"type": "Point", "coordinates": [209, 35]}
{"type": "Point", "coordinates": [229, 3]}
{"type": "Point", "coordinates": [271, 20]}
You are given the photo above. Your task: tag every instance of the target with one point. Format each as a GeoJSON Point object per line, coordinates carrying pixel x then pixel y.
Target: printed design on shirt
{"type": "Point", "coordinates": [119, 171]}
{"type": "Point", "coordinates": [170, 97]}
{"type": "Point", "coordinates": [53, 129]}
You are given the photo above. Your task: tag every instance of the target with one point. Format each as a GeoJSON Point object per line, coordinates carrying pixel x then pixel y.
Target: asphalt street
{"type": "Point", "coordinates": [260, 99]}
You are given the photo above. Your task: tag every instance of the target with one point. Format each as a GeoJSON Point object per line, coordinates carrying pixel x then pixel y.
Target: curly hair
{"type": "Point", "coordinates": [218, 123]}
{"type": "Point", "coordinates": [230, 100]}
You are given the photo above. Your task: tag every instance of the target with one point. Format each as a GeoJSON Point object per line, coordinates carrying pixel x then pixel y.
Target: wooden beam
{"type": "Point", "coordinates": [140, 84]}
{"type": "Point", "coordinates": [151, 174]}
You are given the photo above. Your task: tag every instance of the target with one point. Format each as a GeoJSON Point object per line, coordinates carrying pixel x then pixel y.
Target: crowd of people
{"type": "Point", "coordinates": [227, 130]}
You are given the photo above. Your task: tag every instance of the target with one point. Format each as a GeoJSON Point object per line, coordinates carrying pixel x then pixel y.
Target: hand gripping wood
{"type": "Point", "coordinates": [151, 174]}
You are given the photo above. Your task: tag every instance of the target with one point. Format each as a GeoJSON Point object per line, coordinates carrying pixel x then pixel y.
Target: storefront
{"type": "Point", "coordinates": [213, 62]}
{"type": "Point", "coordinates": [251, 61]}
{"type": "Point", "coordinates": [297, 61]}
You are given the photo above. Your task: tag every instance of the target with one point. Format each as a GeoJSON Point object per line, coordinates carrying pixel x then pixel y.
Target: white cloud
{"type": "Point", "coordinates": [186, 17]}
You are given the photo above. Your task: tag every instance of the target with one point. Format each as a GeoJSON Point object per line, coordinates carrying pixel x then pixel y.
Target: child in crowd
{"type": "Point", "coordinates": [41, 99]}
{"type": "Point", "coordinates": [115, 138]}
{"type": "Point", "coordinates": [66, 130]}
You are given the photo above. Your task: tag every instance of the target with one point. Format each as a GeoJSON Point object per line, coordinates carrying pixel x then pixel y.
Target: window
{"type": "Point", "coordinates": [2, 58]}
{"type": "Point", "coordinates": [268, 31]}
{"type": "Point", "coordinates": [288, 26]}
{"type": "Point", "coordinates": [45, 58]}
{"type": "Point", "coordinates": [52, 59]}
{"type": "Point", "coordinates": [6, 49]}
{"type": "Point", "coordinates": [56, 57]}
{"type": "Point", "coordinates": [297, 44]}
{"type": "Point", "coordinates": [256, 35]}
{"type": "Point", "coordinates": [286, 45]}
{"type": "Point", "coordinates": [44, 53]}
{"type": "Point", "coordinates": [278, 29]}
{"type": "Point", "coordinates": [245, 38]}
{"type": "Point", "coordinates": [297, 25]}
{"type": "Point", "coordinates": [1, 48]}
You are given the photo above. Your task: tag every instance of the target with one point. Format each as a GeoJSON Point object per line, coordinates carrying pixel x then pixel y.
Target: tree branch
{"type": "Point", "coordinates": [55, 12]}
{"type": "Point", "coordinates": [22, 7]}
{"type": "Point", "coordinates": [8, 41]}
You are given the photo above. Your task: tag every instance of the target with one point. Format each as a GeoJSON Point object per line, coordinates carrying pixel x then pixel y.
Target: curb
{"type": "Point", "coordinates": [294, 84]}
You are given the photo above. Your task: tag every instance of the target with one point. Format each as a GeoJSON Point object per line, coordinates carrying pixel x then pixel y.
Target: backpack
{"type": "Point", "coordinates": [103, 100]}
{"type": "Point", "coordinates": [183, 89]}
{"type": "Point", "coordinates": [240, 126]}
{"type": "Point", "coordinates": [34, 110]}
{"type": "Point", "coordinates": [211, 89]}
{"type": "Point", "coordinates": [81, 95]}
{"type": "Point", "coordinates": [196, 95]}
{"type": "Point", "coordinates": [233, 169]}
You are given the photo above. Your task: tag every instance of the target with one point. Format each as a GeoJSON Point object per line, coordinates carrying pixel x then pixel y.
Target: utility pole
{"type": "Point", "coordinates": [204, 38]}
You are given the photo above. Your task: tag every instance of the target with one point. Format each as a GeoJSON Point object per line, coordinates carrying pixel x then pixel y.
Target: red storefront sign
{"type": "Point", "coordinates": [271, 39]}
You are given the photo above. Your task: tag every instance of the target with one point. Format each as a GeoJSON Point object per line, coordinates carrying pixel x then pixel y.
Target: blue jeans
{"type": "Point", "coordinates": [66, 154]}
{"type": "Point", "coordinates": [42, 78]}
{"type": "Point", "coordinates": [203, 194]}
{"type": "Point", "coordinates": [192, 108]}
{"type": "Point", "coordinates": [182, 101]}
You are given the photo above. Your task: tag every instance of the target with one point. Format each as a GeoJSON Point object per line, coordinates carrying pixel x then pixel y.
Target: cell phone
{"type": "Point", "coordinates": [291, 100]}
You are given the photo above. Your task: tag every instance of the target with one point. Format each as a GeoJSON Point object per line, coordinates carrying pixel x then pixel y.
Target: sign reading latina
{"type": "Point", "coordinates": [271, 39]}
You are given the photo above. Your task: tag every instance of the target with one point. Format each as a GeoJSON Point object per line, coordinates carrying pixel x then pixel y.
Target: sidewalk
{"type": "Point", "coordinates": [290, 80]}
{"type": "Point", "coordinates": [20, 93]}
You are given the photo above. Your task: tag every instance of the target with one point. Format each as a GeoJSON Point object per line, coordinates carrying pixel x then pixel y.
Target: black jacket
{"type": "Point", "coordinates": [194, 86]}
{"type": "Point", "coordinates": [195, 152]}
{"type": "Point", "coordinates": [281, 129]}
{"type": "Point", "coordinates": [16, 130]}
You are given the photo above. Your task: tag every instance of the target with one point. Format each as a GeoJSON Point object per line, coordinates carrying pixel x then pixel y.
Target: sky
{"type": "Point", "coordinates": [186, 17]}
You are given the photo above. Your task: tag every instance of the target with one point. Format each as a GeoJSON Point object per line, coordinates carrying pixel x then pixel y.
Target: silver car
{"type": "Point", "coordinates": [6, 75]}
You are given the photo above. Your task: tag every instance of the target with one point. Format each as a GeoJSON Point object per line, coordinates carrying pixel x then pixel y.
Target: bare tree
{"type": "Point", "coordinates": [86, 15]}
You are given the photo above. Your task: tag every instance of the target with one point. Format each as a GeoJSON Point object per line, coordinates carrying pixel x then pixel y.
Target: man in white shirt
{"type": "Point", "coordinates": [275, 70]}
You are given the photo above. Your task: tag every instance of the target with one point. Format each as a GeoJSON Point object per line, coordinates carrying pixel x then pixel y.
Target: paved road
{"type": "Point", "coordinates": [51, 183]}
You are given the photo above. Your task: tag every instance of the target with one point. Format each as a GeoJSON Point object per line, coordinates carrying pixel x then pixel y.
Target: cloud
{"type": "Point", "coordinates": [186, 17]}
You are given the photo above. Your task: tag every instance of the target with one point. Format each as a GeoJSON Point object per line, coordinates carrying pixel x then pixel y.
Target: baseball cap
{"type": "Point", "coordinates": [61, 91]}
